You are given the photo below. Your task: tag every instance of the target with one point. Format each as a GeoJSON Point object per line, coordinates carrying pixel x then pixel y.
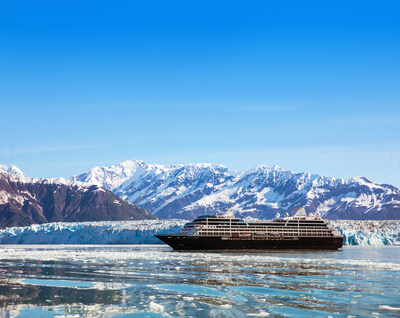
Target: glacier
{"type": "Point", "coordinates": [103, 232]}
{"type": "Point", "coordinates": [368, 232]}
{"type": "Point", "coordinates": [355, 232]}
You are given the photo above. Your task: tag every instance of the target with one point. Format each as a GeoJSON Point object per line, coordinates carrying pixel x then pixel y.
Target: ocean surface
{"type": "Point", "coordinates": [154, 281]}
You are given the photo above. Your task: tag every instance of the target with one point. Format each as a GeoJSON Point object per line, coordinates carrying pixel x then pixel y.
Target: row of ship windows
{"type": "Point", "coordinates": [284, 232]}
{"type": "Point", "coordinates": [255, 224]}
{"type": "Point", "coordinates": [242, 221]}
{"type": "Point", "coordinates": [258, 225]}
{"type": "Point", "coordinates": [273, 233]}
{"type": "Point", "coordinates": [264, 228]}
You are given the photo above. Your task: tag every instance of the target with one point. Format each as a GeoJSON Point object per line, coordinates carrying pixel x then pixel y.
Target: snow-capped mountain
{"type": "Point", "coordinates": [25, 201]}
{"type": "Point", "coordinates": [186, 191]}
{"type": "Point", "coordinates": [12, 169]}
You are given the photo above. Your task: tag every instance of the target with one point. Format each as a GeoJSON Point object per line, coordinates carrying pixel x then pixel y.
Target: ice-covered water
{"type": "Point", "coordinates": [153, 281]}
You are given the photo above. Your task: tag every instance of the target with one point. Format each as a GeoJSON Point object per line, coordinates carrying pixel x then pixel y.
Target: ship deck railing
{"type": "Point", "coordinates": [284, 233]}
{"type": "Point", "coordinates": [255, 236]}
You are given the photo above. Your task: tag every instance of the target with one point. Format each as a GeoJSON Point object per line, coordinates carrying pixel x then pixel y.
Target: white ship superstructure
{"type": "Point", "coordinates": [300, 231]}
{"type": "Point", "coordinates": [227, 225]}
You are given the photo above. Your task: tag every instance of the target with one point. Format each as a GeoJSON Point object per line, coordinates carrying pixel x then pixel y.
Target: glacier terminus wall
{"type": "Point", "coordinates": [374, 233]}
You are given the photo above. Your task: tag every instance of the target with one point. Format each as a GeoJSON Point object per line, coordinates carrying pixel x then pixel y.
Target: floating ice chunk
{"type": "Point", "coordinates": [390, 308]}
{"type": "Point", "coordinates": [156, 307]}
{"type": "Point", "coordinates": [259, 314]}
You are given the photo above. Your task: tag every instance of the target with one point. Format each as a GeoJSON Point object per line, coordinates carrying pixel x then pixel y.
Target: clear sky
{"type": "Point", "coordinates": [308, 85]}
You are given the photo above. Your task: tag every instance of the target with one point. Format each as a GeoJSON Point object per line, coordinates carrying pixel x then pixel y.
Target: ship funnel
{"type": "Point", "coordinates": [300, 212]}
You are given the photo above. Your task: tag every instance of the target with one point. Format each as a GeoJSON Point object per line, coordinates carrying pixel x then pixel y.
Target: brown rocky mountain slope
{"type": "Point", "coordinates": [25, 201]}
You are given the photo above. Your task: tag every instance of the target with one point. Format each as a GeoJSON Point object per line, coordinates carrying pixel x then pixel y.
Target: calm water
{"type": "Point", "coordinates": [153, 281]}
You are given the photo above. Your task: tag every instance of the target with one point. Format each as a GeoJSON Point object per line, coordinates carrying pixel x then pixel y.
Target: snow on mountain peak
{"type": "Point", "coordinates": [14, 174]}
{"type": "Point", "coordinates": [113, 176]}
{"type": "Point", "coordinates": [199, 188]}
{"type": "Point", "coordinates": [133, 164]}
{"type": "Point", "coordinates": [12, 169]}
{"type": "Point", "coordinates": [185, 191]}
{"type": "Point", "coordinates": [207, 166]}
{"type": "Point", "coordinates": [267, 169]}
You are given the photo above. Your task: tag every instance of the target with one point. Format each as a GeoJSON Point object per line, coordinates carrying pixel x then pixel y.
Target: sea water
{"type": "Point", "coordinates": [154, 281]}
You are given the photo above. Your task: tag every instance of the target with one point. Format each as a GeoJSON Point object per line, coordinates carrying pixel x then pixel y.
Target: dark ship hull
{"type": "Point", "coordinates": [182, 242]}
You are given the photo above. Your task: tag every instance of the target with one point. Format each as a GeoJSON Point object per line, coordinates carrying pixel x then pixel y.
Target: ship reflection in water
{"type": "Point", "coordinates": [153, 281]}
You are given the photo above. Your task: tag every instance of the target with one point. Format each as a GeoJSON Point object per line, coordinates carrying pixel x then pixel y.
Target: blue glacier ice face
{"type": "Point", "coordinates": [368, 232]}
{"type": "Point", "coordinates": [374, 233]}
{"type": "Point", "coordinates": [119, 232]}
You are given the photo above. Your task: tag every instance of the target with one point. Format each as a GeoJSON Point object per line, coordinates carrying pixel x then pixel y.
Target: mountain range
{"type": "Point", "coordinates": [186, 191]}
{"type": "Point", "coordinates": [25, 201]}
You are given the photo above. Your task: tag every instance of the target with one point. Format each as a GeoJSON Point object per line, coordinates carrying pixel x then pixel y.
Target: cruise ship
{"type": "Point", "coordinates": [300, 231]}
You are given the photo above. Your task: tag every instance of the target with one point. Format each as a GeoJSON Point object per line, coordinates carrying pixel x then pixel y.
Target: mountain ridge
{"type": "Point", "coordinates": [186, 191]}
{"type": "Point", "coordinates": [25, 201]}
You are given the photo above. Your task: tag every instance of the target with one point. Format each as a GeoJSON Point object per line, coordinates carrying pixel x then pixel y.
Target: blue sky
{"type": "Point", "coordinates": [308, 85]}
